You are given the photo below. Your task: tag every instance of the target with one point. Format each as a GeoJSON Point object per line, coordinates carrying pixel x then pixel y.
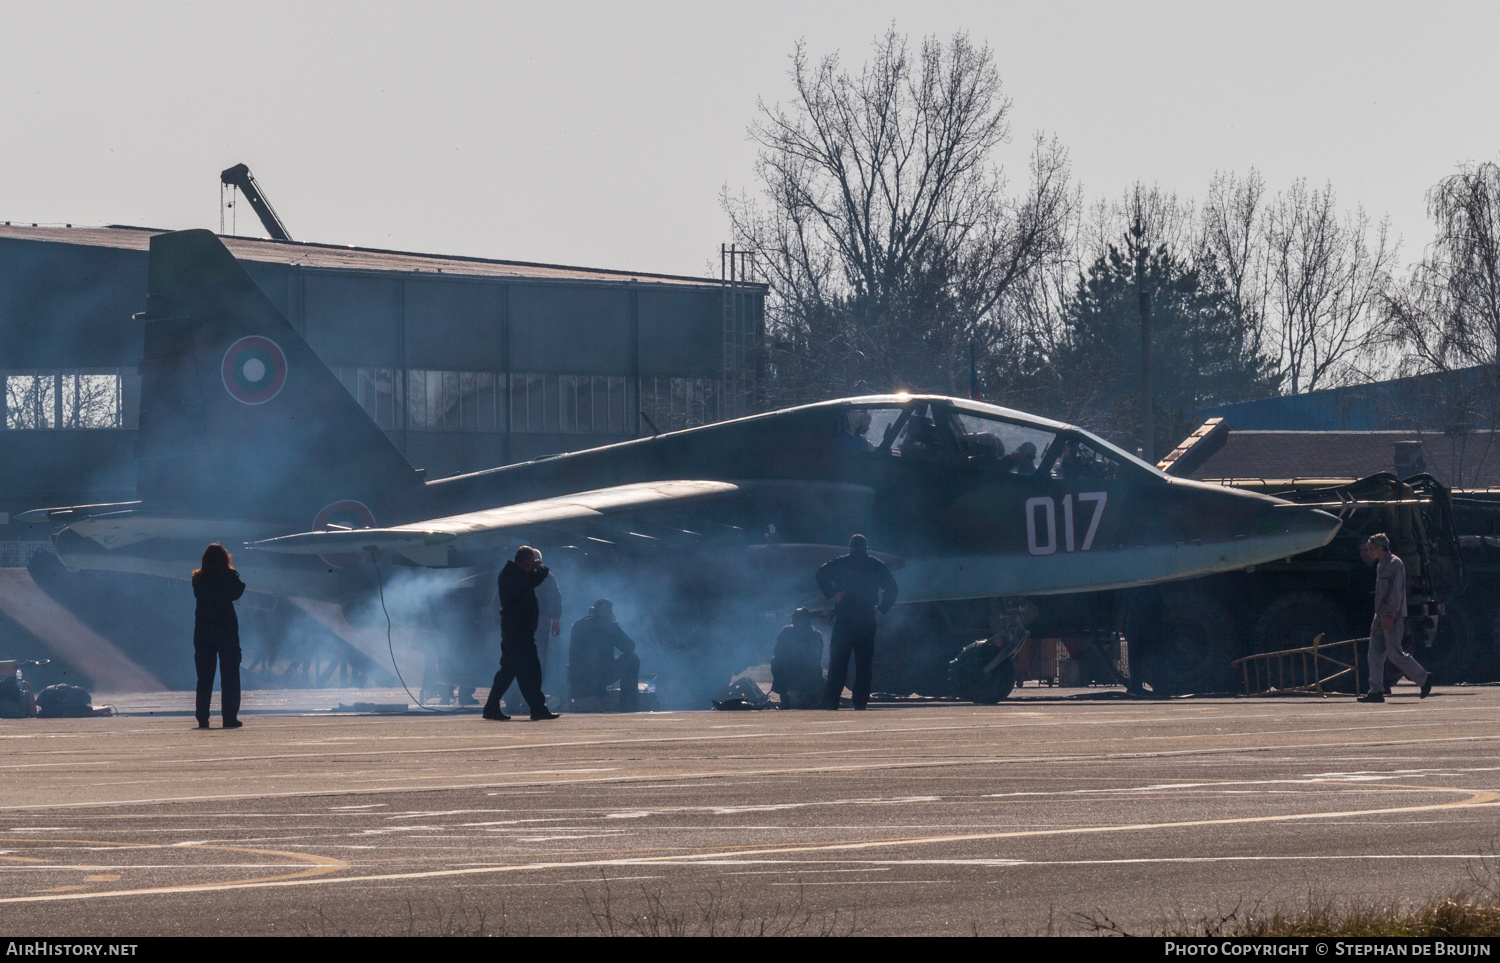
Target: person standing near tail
{"type": "Point", "coordinates": [519, 614]}
{"type": "Point", "coordinates": [860, 586]}
{"type": "Point", "coordinates": [1389, 623]}
{"type": "Point", "coordinates": [216, 635]}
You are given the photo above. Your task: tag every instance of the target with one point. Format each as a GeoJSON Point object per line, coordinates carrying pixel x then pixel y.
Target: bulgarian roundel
{"type": "Point", "coordinates": [254, 370]}
{"type": "Point", "coordinates": [345, 514]}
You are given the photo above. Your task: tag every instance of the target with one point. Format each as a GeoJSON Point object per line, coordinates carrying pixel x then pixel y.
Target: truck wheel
{"type": "Point", "coordinates": [1186, 645]}
{"type": "Point", "coordinates": [1487, 667]}
{"type": "Point", "coordinates": [1293, 620]}
{"type": "Point", "coordinates": [1452, 653]}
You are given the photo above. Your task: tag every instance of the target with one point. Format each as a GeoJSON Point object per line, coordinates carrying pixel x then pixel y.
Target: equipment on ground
{"type": "Point", "coordinates": [17, 701]}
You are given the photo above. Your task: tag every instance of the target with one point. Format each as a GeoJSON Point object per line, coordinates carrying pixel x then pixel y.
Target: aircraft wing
{"type": "Point", "coordinates": [493, 527]}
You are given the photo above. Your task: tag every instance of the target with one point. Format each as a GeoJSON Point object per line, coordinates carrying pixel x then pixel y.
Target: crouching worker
{"type": "Point", "coordinates": [592, 665]}
{"type": "Point", "coordinates": [797, 663]}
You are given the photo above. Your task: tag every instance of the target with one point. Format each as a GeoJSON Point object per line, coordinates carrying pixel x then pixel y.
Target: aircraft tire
{"type": "Point", "coordinates": [1000, 684]}
{"type": "Point", "coordinates": [968, 681]}
{"type": "Point", "coordinates": [1187, 645]}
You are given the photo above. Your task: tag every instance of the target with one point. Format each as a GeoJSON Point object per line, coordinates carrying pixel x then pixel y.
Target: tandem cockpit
{"type": "Point", "coordinates": [984, 437]}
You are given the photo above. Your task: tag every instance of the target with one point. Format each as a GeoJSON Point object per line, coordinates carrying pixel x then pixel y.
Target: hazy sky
{"type": "Point", "coordinates": [602, 134]}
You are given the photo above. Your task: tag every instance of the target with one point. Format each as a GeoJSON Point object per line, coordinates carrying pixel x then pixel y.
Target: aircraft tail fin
{"type": "Point", "coordinates": [238, 415]}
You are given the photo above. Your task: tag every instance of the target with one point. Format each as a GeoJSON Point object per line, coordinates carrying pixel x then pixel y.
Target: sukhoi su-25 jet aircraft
{"type": "Point", "coordinates": [248, 438]}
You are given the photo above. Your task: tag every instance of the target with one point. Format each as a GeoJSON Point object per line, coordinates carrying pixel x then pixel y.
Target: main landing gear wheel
{"type": "Point", "coordinates": [968, 678]}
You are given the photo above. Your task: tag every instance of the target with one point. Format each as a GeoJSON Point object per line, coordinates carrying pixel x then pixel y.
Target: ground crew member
{"type": "Point", "coordinates": [797, 663]}
{"type": "Point", "coordinates": [216, 635]}
{"type": "Point", "coordinates": [1389, 623]}
{"type": "Point", "coordinates": [549, 611]}
{"type": "Point", "coordinates": [518, 620]}
{"type": "Point", "coordinates": [592, 665]}
{"type": "Point", "coordinates": [860, 586]}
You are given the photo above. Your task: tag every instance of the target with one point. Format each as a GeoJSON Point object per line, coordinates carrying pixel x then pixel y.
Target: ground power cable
{"type": "Point", "coordinates": [390, 646]}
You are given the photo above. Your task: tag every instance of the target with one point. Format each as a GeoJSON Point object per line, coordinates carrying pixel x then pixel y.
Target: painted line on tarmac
{"type": "Point", "coordinates": [317, 865]}
{"type": "Point", "coordinates": [1170, 859]}
{"type": "Point", "coordinates": [496, 782]}
{"type": "Point", "coordinates": [1476, 798]}
{"type": "Point", "coordinates": [875, 864]}
{"type": "Point", "coordinates": [1009, 728]}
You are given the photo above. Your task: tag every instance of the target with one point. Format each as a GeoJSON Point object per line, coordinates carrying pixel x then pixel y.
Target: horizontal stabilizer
{"type": "Point", "coordinates": [70, 513]}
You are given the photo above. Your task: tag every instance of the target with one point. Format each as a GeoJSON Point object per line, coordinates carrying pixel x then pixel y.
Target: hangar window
{"type": "Point", "coordinates": [454, 400]}
{"type": "Point", "coordinates": [570, 404]}
{"type": "Point", "coordinates": [431, 400]}
{"type": "Point", "coordinates": [75, 398]}
{"type": "Point", "coordinates": [378, 391]}
{"type": "Point", "coordinates": [674, 403]}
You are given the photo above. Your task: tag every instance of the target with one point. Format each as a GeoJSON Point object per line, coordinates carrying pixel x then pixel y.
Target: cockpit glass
{"type": "Point", "coordinates": [920, 436]}
{"type": "Point", "coordinates": [1079, 459]}
{"type": "Point", "coordinates": [1002, 445]}
{"type": "Point", "coordinates": [864, 429]}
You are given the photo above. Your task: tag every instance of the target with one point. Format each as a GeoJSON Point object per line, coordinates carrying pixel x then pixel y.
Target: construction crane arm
{"type": "Point", "coordinates": [239, 176]}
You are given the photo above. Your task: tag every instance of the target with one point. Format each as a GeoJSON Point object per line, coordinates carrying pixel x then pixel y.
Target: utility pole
{"type": "Point", "coordinates": [1148, 430]}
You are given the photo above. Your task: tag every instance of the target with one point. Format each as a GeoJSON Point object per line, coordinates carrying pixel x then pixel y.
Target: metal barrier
{"type": "Point", "coordinates": [1298, 670]}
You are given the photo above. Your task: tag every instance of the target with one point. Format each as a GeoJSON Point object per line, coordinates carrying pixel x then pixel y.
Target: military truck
{"type": "Point", "coordinates": [1181, 637]}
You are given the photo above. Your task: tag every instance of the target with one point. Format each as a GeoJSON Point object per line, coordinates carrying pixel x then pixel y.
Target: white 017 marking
{"type": "Point", "coordinates": [1041, 539]}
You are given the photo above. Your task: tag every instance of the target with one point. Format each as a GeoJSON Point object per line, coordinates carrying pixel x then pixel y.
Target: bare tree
{"type": "Point", "coordinates": [884, 226]}
{"type": "Point", "coordinates": [1328, 274]}
{"type": "Point", "coordinates": [1232, 236]}
{"type": "Point", "coordinates": [1146, 216]}
{"type": "Point", "coordinates": [1448, 314]}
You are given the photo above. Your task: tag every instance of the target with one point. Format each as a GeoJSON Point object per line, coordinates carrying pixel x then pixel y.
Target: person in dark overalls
{"type": "Point", "coordinates": [519, 614]}
{"type": "Point", "coordinates": [216, 634]}
{"type": "Point", "coordinates": [797, 663]}
{"type": "Point", "coordinates": [861, 587]}
{"type": "Point", "coordinates": [592, 664]}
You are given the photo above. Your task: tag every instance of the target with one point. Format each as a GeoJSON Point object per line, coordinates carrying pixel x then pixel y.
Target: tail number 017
{"type": "Point", "coordinates": [1041, 523]}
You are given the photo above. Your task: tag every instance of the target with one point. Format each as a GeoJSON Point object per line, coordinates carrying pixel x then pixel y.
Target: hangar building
{"type": "Point", "coordinates": [467, 363]}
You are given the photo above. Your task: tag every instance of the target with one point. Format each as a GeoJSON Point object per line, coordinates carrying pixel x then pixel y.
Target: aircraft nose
{"type": "Point", "coordinates": [1306, 528]}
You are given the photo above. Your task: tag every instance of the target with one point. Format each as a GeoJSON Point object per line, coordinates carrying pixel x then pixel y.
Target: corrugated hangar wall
{"type": "Point", "coordinates": [463, 370]}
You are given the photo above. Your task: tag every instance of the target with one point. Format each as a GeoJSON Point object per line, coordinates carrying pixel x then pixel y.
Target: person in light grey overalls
{"type": "Point", "coordinates": [1389, 623]}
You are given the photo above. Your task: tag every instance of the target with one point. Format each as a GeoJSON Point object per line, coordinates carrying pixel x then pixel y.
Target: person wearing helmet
{"type": "Point", "coordinates": [797, 663]}
{"type": "Point", "coordinates": [592, 664]}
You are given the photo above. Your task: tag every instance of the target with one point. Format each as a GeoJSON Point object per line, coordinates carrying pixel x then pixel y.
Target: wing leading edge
{"type": "Point", "coordinates": [492, 527]}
